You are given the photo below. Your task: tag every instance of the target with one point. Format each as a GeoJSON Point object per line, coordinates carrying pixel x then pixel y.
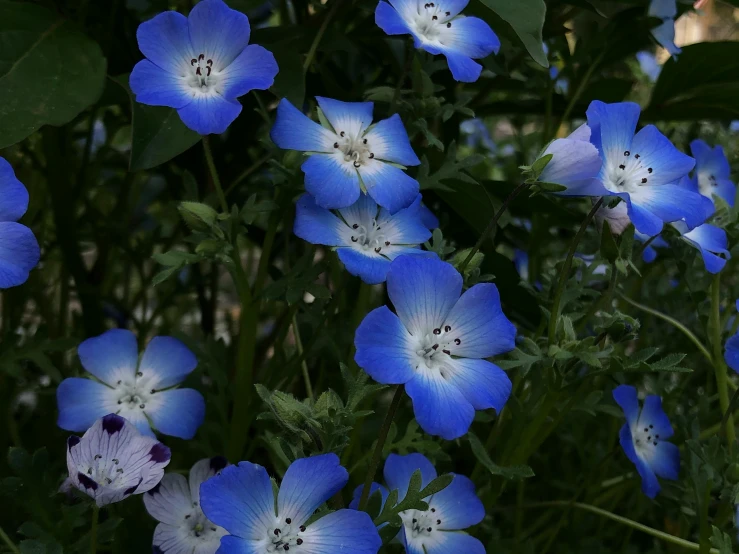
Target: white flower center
{"type": "Point", "coordinates": [203, 76]}
{"type": "Point", "coordinates": [435, 349]}
{"type": "Point", "coordinates": [133, 394]}
{"type": "Point", "coordinates": [645, 440]}
{"type": "Point", "coordinates": [353, 149]}
{"type": "Point", "coordinates": [431, 22]}
{"type": "Point", "coordinates": [368, 236]}
{"type": "Point", "coordinates": [284, 536]}
{"type": "Point", "coordinates": [103, 471]}
{"type": "Point", "coordinates": [627, 174]}
{"type": "Point", "coordinates": [707, 184]}
{"type": "Point", "coordinates": [199, 525]}
{"type": "Point", "coordinates": [420, 524]}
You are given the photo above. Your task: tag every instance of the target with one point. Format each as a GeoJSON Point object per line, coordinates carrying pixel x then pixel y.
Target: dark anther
{"type": "Point", "coordinates": [210, 62]}
{"type": "Point", "coordinates": [622, 166]}
{"type": "Point", "coordinates": [372, 154]}
{"type": "Point", "coordinates": [433, 510]}
{"type": "Point", "coordinates": [201, 57]}
{"type": "Point", "coordinates": [354, 239]}
{"type": "Point", "coordinates": [378, 249]}
{"type": "Point", "coordinates": [434, 18]}
{"type": "Point", "coordinates": [355, 226]}
{"type": "Point", "coordinates": [208, 68]}
{"type": "Point", "coordinates": [457, 342]}
{"type": "Point", "coordinates": [139, 374]}
{"type": "Point", "coordinates": [448, 14]}
{"type": "Point", "coordinates": [627, 153]}
{"type": "Point", "coordinates": [342, 133]}
{"type": "Point", "coordinates": [188, 516]}
{"type": "Point", "coordinates": [644, 180]}
{"type": "Point", "coordinates": [364, 141]}
{"type": "Point", "coordinates": [142, 406]}
{"type": "Point", "coordinates": [357, 164]}
{"type": "Point", "coordinates": [97, 456]}
{"type": "Point", "coordinates": [649, 169]}
{"type": "Point", "coordinates": [426, 6]}
{"type": "Point", "coordinates": [299, 542]}
{"type": "Point", "coordinates": [415, 520]}
{"type": "Point", "coordinates": [302, 528]}
{"type": "Point", "coordinates": [435, 346]}
{"type": "Point", "coordinates": [438, 522]}
{"type": "Point", "coordinates": [712, 178]}
{"type": "Point", "coordinates": [152, 391]}
{"type": "Point", "coordinates": [119, 382]}
{"type": "Point", "coordinates": [197, 71]}
{"type": "Point", "coordinates": [448, 25]}
{"type": "Point", "coordinates": [649, 438]}
{"type": "Point", "coordinates": [651, 426]}
{"type": "Point", "coordinates": [637, 156]}
{"type": "Point", "coordinates": [119, 470]}
{"type": "Point", "coordinates": [115, 461]}
{"type": "Point", "coordinates": [437, 331]}
{"type": "Point", "coordinates": [446, 352]}
{"type": "Point", "coordinates": [286, 547]}
{"type": "Point", "coordinates": [655, 443]}
{"type": "Point", "coordinates": [447, 328]}
{"type": "Point", "coordinates": [288, 521]}
{"type": "Point", "coordinates": [120, 402]}
{"type": "Point", "coordinates": [645, 429]}
{"type": "Point", "coordinates": [428, 529]}
{"type": "Point", "coordinates": [336, 145]}
{"type": "Point", "coordinates": [213, 529]}
{"type": "Point", "coordinates": [387, 243]}
{"type": "Point", "coordinates": [277, 532]}
{"type": "Point", "coordinates": [193, 61]}
{"type": "Point", "coordinates": [656, 436]}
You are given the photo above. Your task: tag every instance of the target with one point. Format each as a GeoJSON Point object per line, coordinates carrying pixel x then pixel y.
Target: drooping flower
{"type": "Point", "coordinates": [710, 241]}
{"type": "Point", "coordinates": [19, 250]}
{"type": "Point", "coordinates": [200, 65]}
{"type": "Point", "coordinates": [349, 157]}
{"type": "Point", "coordinates": [644, 439]}
{"type": "Point", "coordinates": [113, 460]}
{"type": "Point", "coordinates": [175, 504]}
{"type": "Point", "coordinates": [664, 33]}
{"type": "Point", "coordinates": [439, 28]}
{"type": "Point", "coordinates": [575, 164]}
{"type": "Point", "coordinates": [241, 500]}
{"type": "Point", "coordinates": [139, 390]}
{"type": "Point", "coordinates": [438, 530]}
{"type": "Point", "coordinates": [366, 238]}
{"type": "Point", "coordinates": [436, 344]}
{"type": "Point", "coordinates": [712, 172]}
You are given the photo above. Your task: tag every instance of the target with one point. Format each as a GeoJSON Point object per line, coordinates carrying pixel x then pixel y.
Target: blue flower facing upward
{"type": "Point", "coordinates": [19, 250]}
{"type": "Point", "coordinates": [712, 172]}
{"type": "Point", "coordinates": [366, 238]}
{"type": "Point", "coordinates": [139, 390]}
{"type": "Point", "coordinates": [644, 439]}
{"type": "Point", "coordinates": [437, 344]}
{"type": "Point", "coordinates": [438, 530]}
{"type": "Point", "coordinates": [438, 28]}
{"type": "Point", "coordinates": [241, 500]}
{"type": "Point", "coordinates": [664, 33]}
{"type": "Point", "coordinates": [200, 65]}
{"type": "Point", "coordinates": [349, 156]}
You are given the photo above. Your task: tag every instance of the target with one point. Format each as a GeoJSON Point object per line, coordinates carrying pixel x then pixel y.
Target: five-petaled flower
{"type": "Point", "coordinates": [644, 439]}
{"type": "Point", "coordinates": [19, 250]}
{"type": "Point", "coordinates": [438, 28]}
{"type": "Point", "coordinates": [139, 390]}
{"type": "Point", "coordinates": [438, 530]}
{"type": "Point", "coordinates": [346, 156]}
{"type": "Point", "coordinates": [200, 65]}
{"type": "Point", "coordinates": [366, 238]}
{"type": "Point", "coordinates": [113, 460]}
{"type": "Point", "coordinates": [712, 172]}
{"type": "Point", "coordinates": [175, 504]}
{"type": "Point", "coordinates": [241, 500]}
{"type": "Point", "coordinates": [436, 344]}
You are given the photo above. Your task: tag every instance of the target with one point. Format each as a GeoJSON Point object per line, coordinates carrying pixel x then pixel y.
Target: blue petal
{"type": "Point", "coordinates": [662, 9]}
{"type": "Point", "coordinates": [331, 181]}
{"type": "Point", "coordinates": [351, 118]}
{"type": "Point", "coordinates": [644, 221]}
{"type": "Point", "coordinates": [439, 406]}
{"type": "Point", "coordinates": [240, 499]}
{"type": "Point", "coordinates": [625, 396]}
{"type": "Point", "coordinates": [423, 291]}
{"type": "Point", "coordinates": [254, 69]}
{"type": "Point", "coordinates": [341, 532]}
{"type": "Point", "coordinates": [110, 357]}
{"type": "Point", "coordinates": [653, 414]}
{"type": "Point", "coordinates": [384, 349]}
{"type": "Point", "coordinates": [390, 186]}
{"type": "Point", "coordinates": [726, 189]}
{"type": "Point", "coordinates": [19, 253]}
{"type": "Point", "coordinates": [176, 412]}
{"type": "Point", "coordinates": [656, 151]}
{"type": "Point", "coordinates": [665, 461]}
{"type": "Point", "coordinates": [649, 254]}
{"type": "Point", "coordinates": [218, 32]}
{"type": "Point", "coordinates": [575, 164]}
{"type": "Point", "coordinates": [612, 126]}
{"type": "Point", "coordinates": [428, 218]}
{"type": "Point", "coordinates": [664, 34]}
{"type": "Point", "coordinates": [235, 545]}
{"type": "Point", "coordinates": [470, 37]}
{"type": "Point", "coordinates": [477, 319]}
{"type": "Point", "coordinates": [388, 140]}
{"type": "Point", "coordinates": [167, 361]}
{"type": "Point", "coordinates": [317, 225]}
{"type": "Point", "coordinates": [444, 543]}
{"type": "Point", "coordinates": [464, 69]}
{"type": "Point", "coordinates": [361, 213]}
{"type": "Point", "coordinates": [406, 226]}
{"type": "Point", "coordinates": [649, 484]}
{"type": "Point", "coordinates": [482, 383]}
{"type": "Point", "coordinates": [293, 130]}
{"type": "Point", "coordinates": [165, 41]}
{"type": "Point", "coordinates": [665, 203]}
{"type": "Point", "coordinates": [710, 241]}
{"type": "Point", "coordinates": [13, 195]}
{"type": "Point", "coordinates": [357, 494]}
{"type": "Point", "coordinates": [710, 160]}
{"type": "Point", "coordinates": [399, 469]}
{"type": "Point", "coordinates": [369, 266]}
{"type": "Point", "coordinates": [454, 7]}
{"type": "Point", "coordinates": [731, 351]}
{"type": "Point", "coordinates": [81, 402]}
{"type": "Point", "coordinates": [209, 114]}
{"type": "Point", "coordinates": [389, 20]}
{"type": "Point", "coordinates": [154, 86]}
{"type": "Point", "coordinates": [458, 506]}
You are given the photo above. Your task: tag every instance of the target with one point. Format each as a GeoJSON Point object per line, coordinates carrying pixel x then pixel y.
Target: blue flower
{"type": "Point", "coordinates": [477, 133]}
{"type": "Point", "coordinates": [113, 461]}
{"type": "Point", "coordinates": [241, 500]}
{"type": "Point", "coordinates": [436, 344]}
{"type": "Point", "coordinates": [649, 65]}
{"type": "Point", "coordinates": [731, 350]}
{"type": "Point", "coordinates": [200, 65]}
{"type": "Point", "coordinates": [643, 438]}
{"type": "Point", "coordinates": [19, 250]}
{"type": "Point", "coordinates": [438, 28]}
{"type": "Point", "coordinates": [710, 241]}
{"type": "Point", "coordinates": [575, 164]}
{"type": "Point", "coordinates": [664, 33]}
{"type": "Point", "coordinates": [438, 530]}
{"type": "Point", "coordinates": [350, 156]}
{"type": "Point", "coordinates": [712, 172]}
{"type": "Point", "coordinates": [366, 239]}
{"type": "Point", "coordinates": [139, 390]}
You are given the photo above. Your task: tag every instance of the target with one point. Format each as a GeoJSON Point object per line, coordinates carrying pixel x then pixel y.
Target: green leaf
{"type": "Point", "coordinates": [721, 541]}
{"type": "Point", "coordinates": [199, 217]}
{"type": "Point", "coordinates": [527, 19]}
{"type": "Point", "coordinates": [608, 246]}
{"type": "Point", "coordinates": [49, 71]}
{"type": "Point", "coordinates": [540, 164]}
{"type": "Point", "coordinates": [513, 472]}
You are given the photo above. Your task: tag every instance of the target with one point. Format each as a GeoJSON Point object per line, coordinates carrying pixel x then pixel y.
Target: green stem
{"type": "Point", "coordinates": [409, 53]}
{"type": "Point", "coordinates": [214, 174]}
{"type": "Point", "coordinates": [718, 360]}
{"type": "Point", "coordinates": [674, 322]}
{"type": "Point", "coordinates": [624, 521]}
{"type": "Point", "coordinates": [580, 89]}
{"type": "Point", "coordinates": [8, 542]}
{"type": "Point", "coordinates": [492, 226]}
{"type": "Point", "coordinates": [319, 36]}
{"type": "Point", "coordinates": [303, 364]}
{"type": "Point", "coordinates": [565, 272]}
{"type": "Point", "coordinates": [377, 455]}
{"type": "Point", "coordinates": [94, 529]}
{"type": "Point", "coordinates": [269, 241]}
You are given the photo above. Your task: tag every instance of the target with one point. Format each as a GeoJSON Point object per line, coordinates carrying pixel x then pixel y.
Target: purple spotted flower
{"type": "Point", "coordinates": [113, 461]}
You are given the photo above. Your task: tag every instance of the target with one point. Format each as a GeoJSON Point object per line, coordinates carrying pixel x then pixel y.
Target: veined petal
{"type": "Point", "coordinates": [464, 69]}
{"type": "Point", "coordinates": [458, 506]}
{"type": "Point", "coordinates": [406, 226]}
{"type": "Point", "coordinates": [406, 8]}
{"type": "Point", "coordinates": [308, 483]}
{"type": "Point", "coordinates": [331, 181]}
{"type": "Point", "coordinates": [653, 417]}
{"type": "Point", "coordinates": [470, 37]}
{"type": "Point", "coordinates": [439, 406]}
{"type": "Point", "coordinates": [482, 383]}
{"type": "Point", "coordinates": [218, 32]}
{"type": "Point", "coordinates": [155, 86]}
{"type": "Point", "coordinates": [389, 186]}
{"type": "Point", "coordinates": [713, 245]}
{"type": "Point", "coordinates": [165, 40]}
{"type": "Point", "coordinates": [176, 412]}
{"type": "Point", "coordinates": [236, 545]}
{"type": "Point", "coordinates": [668, 203]}
{"type": "Point", "coordinates": [81, 402]}
{"type": "Point", "coordinates": [731, 352]}
{"type": "Point", "coordinates": [254, 69]}
{"type": "Point", "coordinates": [209, 114]}
{"type": "Point", "coordinates": [443, 542]}
{"type": "Point", "coordinates": [384, 348]}
{"type": "Point", "coordinates": [170, 501]}
{"type": "Point", "coordinates": [625, 396]}
{"type": "Point", "coordinates": [13, 195]}
{"type": "Point", "coordinates": [657, 152]}
{"type": "Point", "coordinates": [110, 357]}
{"type": "Point", "coordinates": [203, 470]}
{"type": "Point", "coordinates": [368, 265]}
{"type": "Point", "coordinates": [362, 212]}
{"type": "Point", "coordinates": [166, 361]}
{"type": "Point", "coordinates": [317, 225]}
{"type": "Point", "coordinates": [574, 164]}
{"type": "Point", "coordinates": [293, 130]}
{"type": "Point", "coordinates": [342, 531]}
{"type": "Point", "coordinates": [612, 126]}
{"type": "Point", "coordinates": [644, 220]}
{"type": "Point", "coordinates": [389, 141]}
{"type": "Point", "coordinates": [19, 253]}
{"type": "Point", "coordinates": [171, 539]}
{"type": "Point", "coordinates": [351, 118]}
{"type": "Point", "coordinates": [389, 20]}
{"type": "Point", "coordinates": [399, 469]}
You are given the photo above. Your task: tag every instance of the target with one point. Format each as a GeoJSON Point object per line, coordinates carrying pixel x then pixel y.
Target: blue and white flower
{"type": "Point", "coordinates": [644, 439]}
{"type": "Point", "coordinates": [241, 500]}
{"type": "Point", "coordinates": [710, 241]}
{"type": "Point", "coordinates": [440, 529]}
{"type": "Point", "coordinates": [139, 390]}
{"type": "Point", "coordinates": [437, 343]}
{"type": "Point", "coordinates": [19, 250]}
{"type": "Point", "coordinates": [438, 28]}
{"type": "Point", "coordinates": [200, 65]}
{"type": "Point", "coordinates": [366, 238]}
{"type": "Point", "coordinates": [113, 461]}
{"type": "Point", "coordinates": [664, 33]}
{"type": "Point", "coordinates": [175, 504]}
{"type": "Point", "coordinates": [349, 156]}
{"type": "Point", "coordinates": [712, 172]}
